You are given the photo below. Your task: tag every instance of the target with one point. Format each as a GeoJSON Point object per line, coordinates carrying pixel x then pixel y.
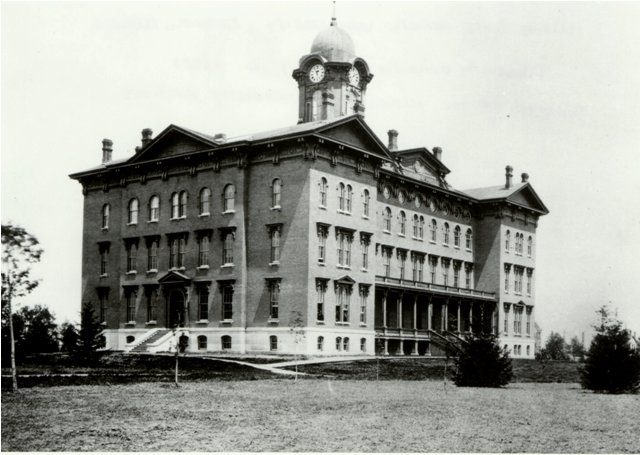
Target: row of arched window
{"type": "Point", "coordinates": [518, 243]}
{"type": "Point", "coordinates": [178, 207]}
{"type": "Point", "coordinates": [345, 197]}
{"type": "Point", "coordinates": [342, 344]}
{"type": "Point", "coordinates": [418, 229]}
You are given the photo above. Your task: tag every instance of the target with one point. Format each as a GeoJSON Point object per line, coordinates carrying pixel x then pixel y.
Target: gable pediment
{"type": "Point", "coordinates": [355, 133]}
{"type": "Point", "coordinates": [174, 277]}
{"type": "Point", "coordinates": [173, 141]}
{"type": "Point", "coordinates": [527, 197]}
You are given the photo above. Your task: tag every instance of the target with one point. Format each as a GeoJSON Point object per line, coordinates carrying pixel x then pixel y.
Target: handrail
{"type": "Point", "coordinates": [434, 287]}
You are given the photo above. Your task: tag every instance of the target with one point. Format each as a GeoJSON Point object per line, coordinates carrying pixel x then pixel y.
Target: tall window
{"type": "Point", "coordinates": [345, 238]}
{"type": "Point", "coordinates": [203, 303]}
{"type": "Point", "coordinates": [274, 234]}
{"type": "Point", "coordinates": [205, 201]}
{"type": "Point", "coordinates": [345, 344]}
{"type": "Point", "coordinates": [518, 274]}
{"type": "Point", "coordinates": [529, 280]}
{"type": "Point", "coordinates": [320, 343]}
{"type": "Point", "coordinates": [434, 230]}
{"type": "Point", "coordinates": [528, 326]}
{"type": "Point", "coordinates": [154, 208]}
{"type": "Point", "coordinates": [227, 248]}
{"type": "Point", "coordinates": [103, 296]}
{"type": "Point", "coordinates": [445, 271]}
{"type": "Point", "coordinates": [132, 257]}
{"type": "Point", "coordinates": [416, 222]}
{"type": "Point", "coordinates": [364, 294]}
{"type": "Point", "coordinates": [276, 188]}
{"type": "Point", "coordinates": [446, 233]}
{"type": "Point", "coordinates": [349, 199]}
{"type": "Point", "coordinates": [386, 260]}
{"type": "Point", "coordinates": [421, 228]}
{"type": "Point", "coordinates": [456, 274]}
{"type": "Point", "coordinates": [403, 223]}
{"type": "Point", "coordinates": [507, 272]}
{"type": "Point", "coordinates": [456, 237]}
{"type": "Point", "coordinates": [152, 308]}
{"type": "Point", "coordinates": [183, 204]}
{"type": "Point", "coordinates": [175, 205]}
{"type": "Point", "coordinates": [342, 302]}
{"type": "Point", "coordinates": [530, 246]}
{"type": "Point", "coordinates": [177, 246]}
{"type": "Point", "coordinates": [365, 239]}
{"type": "Point", "coordinates": [323, 231]}
{"type": "Point", "coordinates": [133, 211]}
{"type": "Point", "coordinates": [387, 219]}
{"type": "Point", "coordinates": [323, 192]}
{"type": "Point", "coordinates": [104, 256]}
{"type": "Point", "coordinates": [226, 342]}
{"type": "Point", "coordinates": [517, 320]}
{"type": "Point", "coordinates": [274, 298]}
{"type": "Point", "coordinates": [203, 251]}
{"type": "Point", "coordinates": [273, 343]}
{"type": "Point", "coordinates": [182, 243]}
{"type": "Point", "coordinates": [506, 321]}
{"type": "Point", "coordinates": [418, 264]}
{"type": "Point", "coordinates": [105, 216]}
{"type": "Point", "coordinates": [363, 344]}
{"type": "Point", "coordinates": [338, 343]}
{"type": "Point", "coordinates": [507, 241]}
{"type": "Point", "coordinates": [202, 343]}
{"type": "Point", "coordinates": [229, 196]}
{"type": "Point", "coordinates": [468, 268]}
{"type": "Point", "coordinates": [130, 297]}
{"type": "Point", "coordinates": [321, 289]}
{"type": "Point", "coordinates": [402, 258]}
{"type": "Point", "coordinates": [366, 199]}
{"type": "Point", "coordinates": [226, 289]}
{"type": "Point", "coordinates": [468, 239]}
{"type": "Point", "coordinates": [433, 264]}
{"type": "Point", "coordinates": [341, 196]}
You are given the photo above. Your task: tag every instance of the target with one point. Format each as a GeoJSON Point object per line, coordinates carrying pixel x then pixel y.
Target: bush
{"type": "Point", "coordinates": [483, 363]}
{"type": "Point", "coordinates": [612, 365]}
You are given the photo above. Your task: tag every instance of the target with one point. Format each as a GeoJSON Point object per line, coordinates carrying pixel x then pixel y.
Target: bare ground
{"type": "Point", "coordinates": [320, 415]}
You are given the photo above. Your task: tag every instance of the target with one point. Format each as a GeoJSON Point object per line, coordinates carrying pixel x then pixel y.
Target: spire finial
{"type": "Point", "coordinates": [333, 16]}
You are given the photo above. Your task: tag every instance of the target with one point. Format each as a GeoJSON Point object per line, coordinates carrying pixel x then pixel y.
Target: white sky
{"type": "Point", "coordinates": [552, 89]}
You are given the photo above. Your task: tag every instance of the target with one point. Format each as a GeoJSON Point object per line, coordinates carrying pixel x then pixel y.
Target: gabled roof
{"type": "Point", "coordinates": [174, 277]}
{"type": "Point", "coordinates": [521, 194]}
{"type": "Point", "coordinates": [426, 156]}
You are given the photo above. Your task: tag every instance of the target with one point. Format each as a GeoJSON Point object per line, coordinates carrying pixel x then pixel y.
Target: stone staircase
{"type": "Point", "coordinates": [155, 336]}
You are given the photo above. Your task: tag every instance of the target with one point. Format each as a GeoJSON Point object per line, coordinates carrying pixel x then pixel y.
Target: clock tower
{"type": "Point", "coordinates": [332, 81]}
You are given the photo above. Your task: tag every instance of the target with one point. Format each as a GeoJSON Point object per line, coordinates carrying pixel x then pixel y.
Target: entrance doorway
{"type": "Point", "coordinates": [176, 308]}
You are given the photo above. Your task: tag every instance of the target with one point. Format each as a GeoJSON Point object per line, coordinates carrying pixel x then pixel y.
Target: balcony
{"type": "Point", "coordinates": [435, 288]}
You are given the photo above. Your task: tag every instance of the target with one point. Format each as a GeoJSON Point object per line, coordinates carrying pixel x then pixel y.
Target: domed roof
{"type": "Point", "coordinates": [334, 44]}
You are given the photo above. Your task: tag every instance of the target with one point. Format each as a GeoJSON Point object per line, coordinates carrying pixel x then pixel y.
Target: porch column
{"type": "Point", "coordinates": [386, 347]}
{"type": "Point", "coordinates": [459, 314]}
{"type": "Point", "coordinates": [445, 316]}
{"type": "Point", "coordinates": [400, 350]}
{"type": "Point", "coordinates": [384, 311]}
{"type": "Point", "coordinates": [429, 314]}
{"type": "Point", "coordinates": [471, 317]}
{"type": "Point", "coordinates": [415, 312]}
{"type": "Point", "coordinates": [399, 310]}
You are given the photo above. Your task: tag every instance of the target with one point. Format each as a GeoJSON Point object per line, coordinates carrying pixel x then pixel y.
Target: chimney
{"type": "Point", "coordinates": [437, 152]}
{"type": "Point", "coordinates": [393, 140]}
{"type": "Point", "coordinates": [220, 138]}
{"type": "Point", "coordinates": [509, 175]}
{"type": "Point", "coordinates": [107, 145]}
{"type": "Point", "coordinates": [525, 177]}
{"type": "Point", "coordinates": [147, 134]}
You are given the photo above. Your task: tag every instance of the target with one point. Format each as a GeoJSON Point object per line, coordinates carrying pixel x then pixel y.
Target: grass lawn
{"type": "Point", "coordinates": [319, 415]}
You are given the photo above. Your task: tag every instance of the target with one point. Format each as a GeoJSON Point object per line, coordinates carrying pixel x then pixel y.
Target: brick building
{"type": "Point", "coordinates": [319, 225]}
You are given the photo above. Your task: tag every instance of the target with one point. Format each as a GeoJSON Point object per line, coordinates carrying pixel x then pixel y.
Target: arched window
{"type": "Point", "coordinates": [345, 344]}
{"type": "Point", "coordinates": [227, 249]}
{"type": "Point", "coordinates": [363, 344]}
{"type": "Point", "coordinates": [456, 237]}
{"type": "Point", "coordinates": [434, 230]}
{"type": "Point", "coordinates": [528, 350]}
{"type": "Point", "coordinates": [387, 219]}
{"type": "Point", "coordinates": [202, 343]}
{"type": "Point", "coordinates": [421, 228]}
{"type": "Point", "coordinates": [446, 234]}
{"type": "Point", "coordinates": [338, 343]}
{"type": "Point", "coordinates": [133, 211]}
{"type": "Point", "coordinates": [507, 241]}
{"type": "Point", "coordinates": [341, 196]}
{"type": "Point", "coordinates": [154, 208]}
{"type": "Point", "coordinates": [205, 201]}
{"type": "Point", "coordinates": [323, 192]}
{"type": "Point", "coordinates": [365, 203]}
{"type": "Point", "coordinates": [225, 342]}
{"type": "Point", "coordinates": [416, 223]}
{"type": "Point", "coordinates": [229, 198]}
{"type": "Point", "coordinates": [349, 199]}
{"type": "Point", "coordinates": [320, 343]}
{"type": "Point", "coordinates": [183, 204]}
{"type": "Point", "coordinates": [175, 205]}
{"type": "Point", "coordinates": [105, 216]}
{"type": "Point", "coordinates": [273, 343]}
{"type": "Point", "coordinates": [468, 239]}
{"type": "Point", "coordinates": [276, 187]}
{"type": "Point", "coordinates": [529, 246]}
{"type": "Point", "coordinates": [403, 223]}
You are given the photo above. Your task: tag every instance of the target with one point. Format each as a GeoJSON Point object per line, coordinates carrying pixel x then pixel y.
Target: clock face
{"type": "Point", "coordinates": [354, 76]}
{"type": "Point", "coordinates": [316, 74]}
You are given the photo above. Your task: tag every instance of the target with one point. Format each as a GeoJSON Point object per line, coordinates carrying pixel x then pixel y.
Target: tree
{"type": "Point", "coordinates": [39, 331]}
{"type": "Point", "coordinates": [555, 347]}
{"type": "Point", "coordinates": [577, 349]}
{"type": "Point", "coordinates": [483, 363]}
{"type": "Point", "coordinates": [90, 338]}
{"type": "Point", "coordinates": [20, 250]}
{"type": "Point", "coordinates": [612, 364]}
{"type": "Point", "coordinates": [296, 328]}
{"type": "Point", "coordinates": [69, 337]}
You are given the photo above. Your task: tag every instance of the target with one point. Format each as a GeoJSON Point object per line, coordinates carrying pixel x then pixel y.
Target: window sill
{"type": "Point", "coordinates": [131, 272]}
{"type": "Point", "coordinates": [322, 207]}
{"type": "Point", "coordinates": [343, 267]}
{"type": "Point", "coordinates": [468, 250]}
{"type": "Point", "coordinates": [362, 324]}
{"type": "Point", "coordinates": [433, 242]}
{"type": "Point", "coordinates": [401, 235]}
{"type": "Point", "coordinates": [202, 321]}
{"type": "Point", "coordinates": [344, 212]}
{"type": "Point", "coordinates": [227, 266]}
{"type": "Point", "coordinates": [274, 263]}
{"type": "Point", "coordinates": [150, 323]}
{"type": "Point", "coordinates": [227, 321]}
{"type": "Point", "coordinates": [173, 269]}
{"type": "Point", "coordinates": [276, 208]}
{"type": "Point", "coordinates": [272, 321]}
{"type": "Point", "coordinates": [364, 269]}
{"type": "Point", "coordinates": [446, 245]}
{"type": "Point", "coordinates": [343, 323]}
{"type": "Point", "coordinates": [130, 324]}
{"type": "Point", "coordinates": [320, 322]}
{"type": "Point", "coordinates": [321, 263]}
{"type": "Point", "coordinates": [228, 212]}
{"type": "Point", "coordinates": [105, 228]}
{"type": "Point", "coordinates": [152, 222]}
{"type": "Point", "coordinates": [203, 267]}
{"type": "Point", "coordinates": [104, 275]}
{"type": "Point", "coordinates": [204, 215]}
{"type": "Point", "coordinates": [365, 217]}
{"type": "Point", "coordinates": [456, 247]}
{"type": "Point", "coordinates": [132, 224]}
{"type": "Point", "coordinates": [386, 232]}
